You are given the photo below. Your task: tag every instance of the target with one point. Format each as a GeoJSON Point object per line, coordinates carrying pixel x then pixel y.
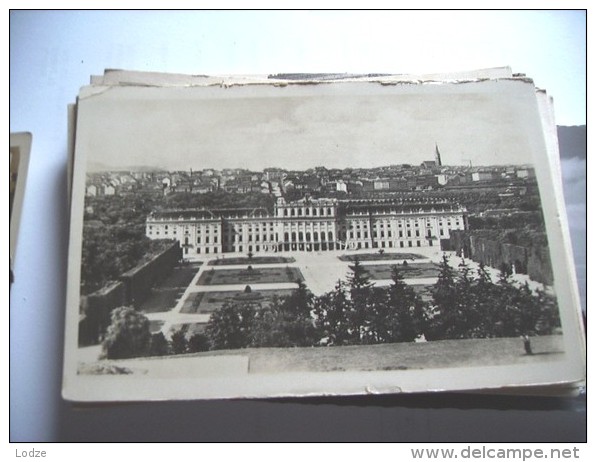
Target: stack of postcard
{"type": "Point", "coordinates": [19, 153]}
{"type": "Point", "coordinates": [303, 235]}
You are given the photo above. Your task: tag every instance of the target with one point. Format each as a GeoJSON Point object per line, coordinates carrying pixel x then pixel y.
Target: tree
{"type": "Point", "coordinates": [468, 321]}
{"type": "Point", "coordinates": [360, 293]}
{"type": "Point", "coordinates": [444, 316]}
{"type": "Point", "coordinates": [405, 317]}
{"type": "Point", "coordinates": [128, 335]}
{"type": "Point", "coordinates": [488, 304]}
{"type": "Point", "coordinates": [286, 321]}
{"type": "Point", "coordinates": [268, 329]}
{"type": "Point", "coordinates": [332, 316]}
{"type": "Point", "coordinates": [198, 342]}
{"type": "Point", "coordinates": [159, 345]}
{"type": "Point", "coordinates": [230, 327]}
{"type": "Point", "coordinates": [178, 342]}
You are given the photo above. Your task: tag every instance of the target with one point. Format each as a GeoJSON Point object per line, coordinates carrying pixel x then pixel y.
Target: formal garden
{"type": "Point", "coordinates": [208, 302]}
{"type": "Point", "coordinates": [251, 260]}
{"type": "Point", "coordinates": [462, 304]}
{"type": "Point", "coordinates": [250, 275]}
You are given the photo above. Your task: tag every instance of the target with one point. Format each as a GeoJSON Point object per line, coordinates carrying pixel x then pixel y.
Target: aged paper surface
{"type": "Point", "coordinates": [487, 130]}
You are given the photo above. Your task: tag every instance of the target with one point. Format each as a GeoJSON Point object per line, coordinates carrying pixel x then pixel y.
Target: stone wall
{"type": "Point", "coordinates": [139, 280]}
{"type": "Point", "coordinates": [484, 248]}
{"type": "Point", "coordinates": [131, 290]}
{"type": "Point", "coordinates": [96, 308]}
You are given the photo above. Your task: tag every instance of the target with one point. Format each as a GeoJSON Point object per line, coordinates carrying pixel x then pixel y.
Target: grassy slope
{"type": "Point", "coordinates": [438, 354]}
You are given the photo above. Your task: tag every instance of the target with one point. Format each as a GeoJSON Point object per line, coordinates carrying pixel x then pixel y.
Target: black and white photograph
{"type": "Point", "coordinates": [309, 235]}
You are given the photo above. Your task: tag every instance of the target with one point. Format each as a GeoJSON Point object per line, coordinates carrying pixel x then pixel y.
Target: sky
{"type": "Point", "coordinates": [296, 128]}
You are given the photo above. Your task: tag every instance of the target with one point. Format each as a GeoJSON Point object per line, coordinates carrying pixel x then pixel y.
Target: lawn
{"type": "Point", "coordinates": [394, 356]}
{"type": "Point", "coordinates": [409, 271]}
{"type": "Point", "coordinates": [164, 296]}
{"type": "Point", "coordinates": [208, 302]}
{"type": "Point", "coordinates": [380, 257]}
{"type": "Point", "coordinates": [423, 290]}
{"type": "Point", "coordinates": [250, 276]}
{"type": "Point", "coordinates": [250, 261]}
{"type": "Point", "coordinates": [189, 329]}
{"type": "Point", "coordinates": [404, 356]}
{"type": "Point", "coordinates": [155, 326]}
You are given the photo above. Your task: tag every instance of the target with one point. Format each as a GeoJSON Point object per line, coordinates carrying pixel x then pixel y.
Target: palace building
{"type": "Point", "coordinates": [310, 225]}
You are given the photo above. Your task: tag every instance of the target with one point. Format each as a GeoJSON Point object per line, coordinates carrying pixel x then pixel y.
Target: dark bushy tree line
{"type": "Point", "coordinates": [464, 304]}
{"type": "Point", "coordinates": [468, 306]}
{"type": "Point", "coordinates": [129, 336]}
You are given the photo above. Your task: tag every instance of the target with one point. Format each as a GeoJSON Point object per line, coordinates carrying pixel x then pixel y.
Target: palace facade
{"type": "Point", "coordinates": [310, 225]}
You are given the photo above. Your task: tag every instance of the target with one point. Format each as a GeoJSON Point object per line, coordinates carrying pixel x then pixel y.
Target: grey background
{"type": "Point", "coordinates": [53, 53]}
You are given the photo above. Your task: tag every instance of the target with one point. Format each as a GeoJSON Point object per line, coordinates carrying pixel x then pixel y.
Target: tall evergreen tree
{"type": "Point", "coordinates": [406, 317]}
{"type": "Point", "coordinates": [444, 315]}
{"type": "Point", "coordinates": [488, 304]}
{"type": "Point", "coordinates": [332, 312]}
{"type": "Point", "coordinates": [360, 295]}
{"type": "Point", "coordinates": [468, 320]}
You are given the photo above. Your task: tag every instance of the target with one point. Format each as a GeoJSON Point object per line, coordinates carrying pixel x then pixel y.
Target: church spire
{"type": "Point", "coordinates": [438, 162]}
